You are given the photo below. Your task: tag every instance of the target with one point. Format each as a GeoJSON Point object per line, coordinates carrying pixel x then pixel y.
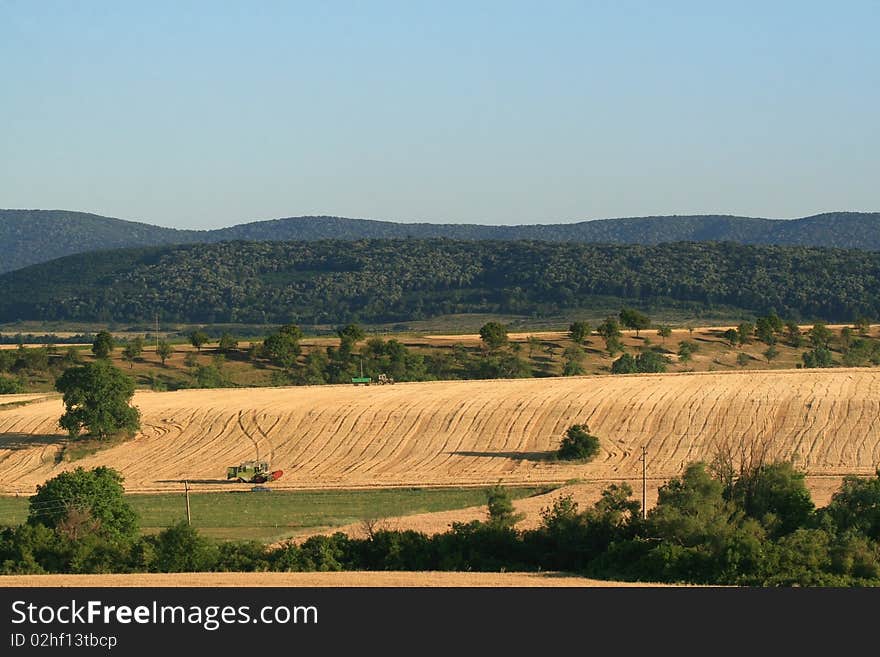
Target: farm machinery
{"type": "Point", "coordinates": [252, 472]}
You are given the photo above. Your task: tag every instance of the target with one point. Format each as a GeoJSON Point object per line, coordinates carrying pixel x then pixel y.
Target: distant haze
{"type": "Point", "coordinates": [200, 115]}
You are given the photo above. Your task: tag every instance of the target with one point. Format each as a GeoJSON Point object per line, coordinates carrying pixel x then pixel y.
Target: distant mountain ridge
{"type": "Point", "coordinates": [33, 236]}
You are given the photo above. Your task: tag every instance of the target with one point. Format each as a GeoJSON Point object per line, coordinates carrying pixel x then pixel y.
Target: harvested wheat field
{"type": "Point", "coordinates": [334, 579]}
{"type": "Point", "coordinates": [467, 432]}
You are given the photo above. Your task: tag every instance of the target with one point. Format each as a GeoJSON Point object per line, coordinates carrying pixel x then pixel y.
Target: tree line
{"type": "Point", "coordinates": [712, 525]}
{"type": "Point", "coordinates": [337, 282]}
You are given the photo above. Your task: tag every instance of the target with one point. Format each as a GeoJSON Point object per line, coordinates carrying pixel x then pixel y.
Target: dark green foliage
{"type": "Point", "coordinates": [664, 332]}
{"type": "Point", "coordinates": [633, 319]}
{"type": "Point", "coordinates": [767, 327]}
{"type": "Point", "coordinates": [227, 343]}
{"type": "Point", "coordinates": [164, 350]}
{"type": "Point", "coordinates": [794, 335]}
{"type": "Point", "coordinates": [744, 332]}
{"type": "Point", "coordinates": [282, 347]}
{"type": "Point", "coordinates": [500, 508]}
{"type": "Point", "coordinates": [389, 281]}
{"type": "Point", "coordinates": [771, 352]}
{"type": "Point", "coordinates": [645, 362]}
{"type": "Point", "coordinates": [732, 337]}
{"type": "Point", "coordinates": [686, 348]}
{"type": "Point", "coordinates": [96, 399]}
{"type": "Point", "coordinates": [197, 339]}
{"type": "Point", "coordinates": [494, 335]}
{"type": "Point", "coordinates": [579, 331]}
{"type": "Point", "coordinates": [103, 345]}
{"type": "Point", "coordinates": [133, 350]}
{"type": "Point", "coordinates": [578, 444]}
{"type": "Point", "coordinates": [9, 386]}
{"type": "Point", "coordinates": [856, 506]}
{"type": "Point", "coordinates": [742, 359]}
{"type": "Point", "coordinates": [818, 357]}
{"type": "Point", "coordinates": [180, 549]}
{"type": "Point", "coordinates": [573, 358]}
{"type": "Point", "coordinates": [97, 492]}
{"type": "Point", "coordinates": [820, 335]}
{"type": "Point", "coordinates": [775, 495]}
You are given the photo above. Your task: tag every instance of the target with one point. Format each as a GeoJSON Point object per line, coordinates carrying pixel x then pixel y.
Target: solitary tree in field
{"type": "Point", "coordinates": [164, 350]}
{"type": "Point", "coordinates": [578, 444]}
{"type": "Point", "coordinates": [103, 345]}
{"type": "Point", "coordinates": [96, 400]}
{"type": "Point", "coordinates": [494, 335]}
{"type": "Point", "coordinates": [282, 348]}
{"type": "Point", "coordinates": [197, 339]}
{"type": "Point", "coordinates": [227, 343]}
{"type": "Point", "coordinates": [534, 343]}
{"type": "Point", "coordinates": [133, 350]}
{"type": "Point", "coordinates": [664, 332]}
{"type": "Point", "coordinates": [745, 331]}
{"type": "Point", "coordinates": [771, 352]}
{"type": "Point", "coordinates": [732, 337]}
{"type": "Point", "coordinates": [633, 319]}
{"type": "Point", "coordinates": [579, 331]}
{"type": "Point", "coordinates": [573, 358]}
{"type": "Point", "coordinates": [820, 335]}
{"type": "Point", "coordinates": [742, 359]}
{"type": "Point", "coordinates": [793, 333]}
{"type": "Point", "coordinates": [863, 325]}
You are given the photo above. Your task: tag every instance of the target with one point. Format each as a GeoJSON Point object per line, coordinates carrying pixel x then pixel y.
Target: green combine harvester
{"type": "Point", "coordinates": [252, 472]}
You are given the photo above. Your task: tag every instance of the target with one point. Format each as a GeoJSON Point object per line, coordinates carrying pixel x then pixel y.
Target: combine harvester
{"type": "Point", "coordinates": [252, 472]}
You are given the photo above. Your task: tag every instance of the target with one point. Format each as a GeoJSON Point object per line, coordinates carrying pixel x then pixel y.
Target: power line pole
{"type": "Point", "coordinates": [644, 483]}
{"type": "Point", "coordinates": [186, 492]}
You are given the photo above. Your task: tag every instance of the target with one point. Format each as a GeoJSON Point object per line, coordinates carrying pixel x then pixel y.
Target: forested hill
{"type": "Point", "coordinates": [398, 280]}
{"type": "Point", "coordinates": [33, 236]}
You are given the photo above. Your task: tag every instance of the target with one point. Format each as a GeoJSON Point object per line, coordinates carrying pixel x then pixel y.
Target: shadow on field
{"type": "Point", "coordinates": [16, 441]}
{"type": "Point", "coordinates": [516, 456]}
{"type": "Point", "coordinates": [195, 481]}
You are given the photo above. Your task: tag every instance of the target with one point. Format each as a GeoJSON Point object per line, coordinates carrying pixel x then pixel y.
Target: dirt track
{"type": "Point", "coordinates": [466, 432]}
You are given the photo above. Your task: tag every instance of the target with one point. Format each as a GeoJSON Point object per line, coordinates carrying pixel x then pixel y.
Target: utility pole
{"type": "Point", "coordinates": [186, 492]}
{"type": "Point", "coordinates": [644, 483]}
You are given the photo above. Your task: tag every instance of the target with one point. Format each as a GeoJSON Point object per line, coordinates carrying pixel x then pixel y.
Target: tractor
{"type": "Point", "coordinates": [384, 379]}
{"type": "Point", "coordinates": [252, 472]}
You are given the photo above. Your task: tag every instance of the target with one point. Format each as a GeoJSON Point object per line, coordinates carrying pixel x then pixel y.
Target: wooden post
{"type": "Point", "coordinates": [186, 492]}
{"type": "Point", "coordinates": [644, 483]}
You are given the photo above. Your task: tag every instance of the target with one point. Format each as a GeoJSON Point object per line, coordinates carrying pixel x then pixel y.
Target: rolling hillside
{"type": "Point", "coordinates": [332, 282]}
{"type": "Point", "coordinates": [466, 432]}
{"type": "Point", "coordinates": [33, 236]}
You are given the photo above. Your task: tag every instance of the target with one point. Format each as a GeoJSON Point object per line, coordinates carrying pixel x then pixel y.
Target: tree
{"type": "Point", "coordinates": [846, 337]}
{"type": "Point", "coordinates": [164, 350]}
{"type": "Point", "coordinates": [227, 343]}
{"type": "Point", "coordinates": [771, 352]}
{"type": "Point", "coordinates": [820, 335]}
{"type": "Point", "coordinates": [351, 333]}
{"type": "Point", "coordinates": [767, 327]}
{"type": "Point", "coordinates": [282, 347]}
{"type": "Point", "coordinates": [664, 332]}
{"type": "Point", "coordinates": [818, 357]}
{"type": "Point", "coordinates": [180, 548]}
{"type": "Point", "coordinates": [633, 319]}
{"type": "Point", "coordinates": [133, 350]}
{"type": "Point", "coordinates": [573, 360]}
{"type": "Point", "coordinates": [579, 331]}
{"type": "Point", "coordinates": [197, 339]}
{"type": "Point", "coordinates": [626, 364]}
{"type": "Point", "coordinates": [793, 332]}
{"type": "Point", "coordinates": [96, 495]}
{"type": "Point", "coordinates": [96, 399]}
{"type": "Point", "coordinates": [500, 508]}
{"type": "Point", "coordinates": [744, 332]}
{"type": "Point", "coordinates": [651, 362]}
{"type": "Point", "coordinates": [856, 506]}
{"type": "Point", "coordinates": [774, 494]}
{"type": "Point", "coordinates": [863, 326]}
{"type": "Point", "coordinates": [578, 444]}
{"type": "Point", "coordinates": [686, 348]}
{"type": "Point", "coordinates": [732, 337]}
{"type": "Point", "coordinates": [493, 335]}
{"type": "Point", "coordinates": [742, 359]}
{"type": "Point", "coordinates": [103, 345]}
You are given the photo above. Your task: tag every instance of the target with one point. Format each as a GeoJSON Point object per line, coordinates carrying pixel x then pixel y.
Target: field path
{"type": "Point", "coordinates": [464, 432]}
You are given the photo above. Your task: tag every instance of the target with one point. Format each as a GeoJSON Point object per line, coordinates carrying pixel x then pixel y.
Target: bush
{"type": "Point", "coordinates": [578, 444]}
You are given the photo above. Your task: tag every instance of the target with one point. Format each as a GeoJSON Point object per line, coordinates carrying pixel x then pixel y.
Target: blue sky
{"type": "Point", "coordinates": [205, 114]}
